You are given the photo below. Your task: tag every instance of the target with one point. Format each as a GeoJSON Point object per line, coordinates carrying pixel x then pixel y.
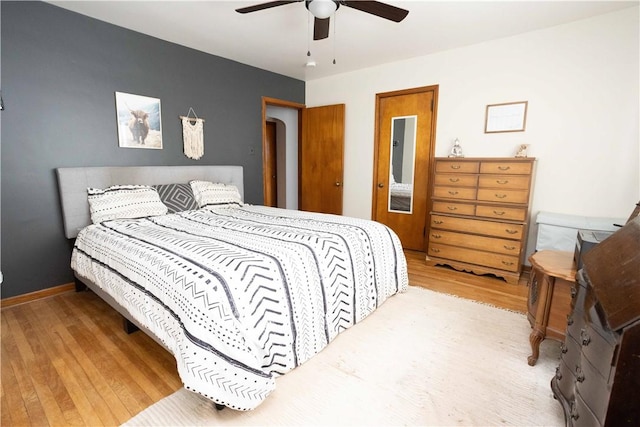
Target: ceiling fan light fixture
{"type": "Point", "coordinates": [322, 9]}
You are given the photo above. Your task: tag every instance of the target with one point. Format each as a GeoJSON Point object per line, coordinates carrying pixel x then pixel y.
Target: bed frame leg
{"type": "Point", "coordinates": [219, 407]}
{"type": "Point", "coordinates": [80, 287]}
{"type": "Point", "coordinates": [128, 326]}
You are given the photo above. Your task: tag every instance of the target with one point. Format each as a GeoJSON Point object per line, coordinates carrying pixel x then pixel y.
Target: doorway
{"type": "Point", "coordinates": [305, 169]}
{"type": "Point", "coordinates": [281, 124]}
{"type": "Point", "coordinates": [403, 155]}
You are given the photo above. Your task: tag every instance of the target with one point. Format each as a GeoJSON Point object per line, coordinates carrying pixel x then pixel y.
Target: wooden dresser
{"type": "Point", "coordinates": [480, 214]}
{"type": "Point", "coordinates": [598, 379]}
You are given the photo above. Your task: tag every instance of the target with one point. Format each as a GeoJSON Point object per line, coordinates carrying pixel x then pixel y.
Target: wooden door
{"type": "Point", "coordinates": [410, 225]}
{"type": "Point", "coordinates": [270, 166]}
{"type": "Point", "coordinates": [321, 157]}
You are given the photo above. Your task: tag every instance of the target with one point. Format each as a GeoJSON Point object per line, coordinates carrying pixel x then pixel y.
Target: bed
{"type": "Point", "coordinates": [239, 294]}
{"type": "Point", "coordinates": [400, 196]}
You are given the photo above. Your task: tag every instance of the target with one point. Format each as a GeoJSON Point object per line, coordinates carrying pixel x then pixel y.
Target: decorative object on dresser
{"type": "Point", "coordinates": [480, 214]}
{"type": "Point", "coordinates": [456, 150]}
{"type": "Point", "coordinates": [550, 283]}
{"type": "Point", "coordinates": [598, 379]}
{"type": "Point", "coordinates": [522, 150]}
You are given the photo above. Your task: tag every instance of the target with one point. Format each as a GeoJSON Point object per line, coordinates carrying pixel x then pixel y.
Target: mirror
{"type": "Point", "coordinates": [402, 163]}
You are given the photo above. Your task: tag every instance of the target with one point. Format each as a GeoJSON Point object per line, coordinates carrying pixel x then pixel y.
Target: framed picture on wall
{"type": "Point", "coordinates": [139, 121]}
{"type": "Point", "coordinates": [508, 117]}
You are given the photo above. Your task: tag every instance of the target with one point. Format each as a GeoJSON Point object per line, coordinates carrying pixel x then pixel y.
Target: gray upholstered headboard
{"type": "Point", "coordinates": [73, 184]}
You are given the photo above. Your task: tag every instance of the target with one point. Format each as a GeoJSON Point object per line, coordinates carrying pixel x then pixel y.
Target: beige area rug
{"type": "Point", "coordinates": [422, 358]}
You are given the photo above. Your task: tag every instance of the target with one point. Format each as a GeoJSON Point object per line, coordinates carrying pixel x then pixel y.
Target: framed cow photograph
{"type": "Point", "coordinates": [139, 121]}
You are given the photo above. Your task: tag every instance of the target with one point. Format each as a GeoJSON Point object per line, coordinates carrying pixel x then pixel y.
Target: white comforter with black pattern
{"type": "Point", "coordinates": [241, 295]}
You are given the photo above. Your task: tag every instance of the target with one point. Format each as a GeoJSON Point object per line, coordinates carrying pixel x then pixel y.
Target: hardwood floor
{"type": "Point", "coordinates": [487, 289]}
{"type": "Point", "coordinates": [67, 361]}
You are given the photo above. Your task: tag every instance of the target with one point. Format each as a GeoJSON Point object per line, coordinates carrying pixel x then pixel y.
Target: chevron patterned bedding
{"type": "Point", "coordinates": [241, 295]}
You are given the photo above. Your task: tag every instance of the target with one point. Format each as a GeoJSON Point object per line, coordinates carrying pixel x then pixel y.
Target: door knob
{"type": "Point", "coordinates": [380, 184]}
{"type": "Point", "coordinates": [337, 184]}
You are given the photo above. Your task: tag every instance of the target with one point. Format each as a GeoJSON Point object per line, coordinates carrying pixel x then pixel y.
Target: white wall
{"type": "Point", "coordinates": [581, 82]}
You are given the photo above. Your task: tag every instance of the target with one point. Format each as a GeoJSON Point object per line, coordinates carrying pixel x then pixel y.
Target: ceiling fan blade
{"type": "Point", "coordinates": [266, 5]}
{"type": "Point", "coordinates": [320, 28]}
{"type": "Point", "coordinates": [377, 8]}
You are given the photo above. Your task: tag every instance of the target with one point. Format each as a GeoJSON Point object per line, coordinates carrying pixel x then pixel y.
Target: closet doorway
{"type": "Point", "coordinates": [403, 155]}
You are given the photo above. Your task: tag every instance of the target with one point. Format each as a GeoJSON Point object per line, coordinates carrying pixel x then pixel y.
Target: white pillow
{"type": "Point", "coordinates": [210, 194]}
{"type": "Point", "coordinates": [124, 201]}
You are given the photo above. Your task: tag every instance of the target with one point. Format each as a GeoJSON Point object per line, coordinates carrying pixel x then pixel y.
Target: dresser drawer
{"type": "Point", "coordinates": [505, 182]}
{"type": "Point", "coordinates": [454, 208]}
{"type": "Point", "coordinates": [566, 380]}
{"type": "Point", "coordinates": [575, 324]}
{"type": "Point", "coordinates": [581, 415]}
{"type": "Point", "coordinates": [477, 226]}
{"type": "Point", "coordinates": [482, 243]}
{"type": "Point", "coordinates": [507, 168]}
{"type": "Point", "coordinates": [455, 180]}
{"type": "Point", "coordinates": [500, 212]}
{"type": "Point", "coordinates": [462, 193]}
{"type": "Point", "coordinates": [503, 196]}
{"type": "Point", "coordinates": [597, 350]}
{"type": "Point", "coordinates": [487, 259]}
{"type": "Point", "coordinates": [457, 166]}
{"type": "Point", "coordinates": [571, 353]}
{"type": "Point", "coordinates": [593, 389]}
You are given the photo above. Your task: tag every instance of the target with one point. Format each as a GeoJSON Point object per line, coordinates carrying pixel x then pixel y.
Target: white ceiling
{"type": "Point", "coordinates": [278, 39]}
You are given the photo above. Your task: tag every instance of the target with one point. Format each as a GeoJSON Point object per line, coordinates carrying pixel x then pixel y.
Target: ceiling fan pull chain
{"type": "Point", "coordinates": [335, 23]}
{"type": "Point", "coordinates": [308, 36]}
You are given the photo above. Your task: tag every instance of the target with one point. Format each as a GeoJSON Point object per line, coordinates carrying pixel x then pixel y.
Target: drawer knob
{"type": "Point", "coordinates": [579, 375]}
{"type": "Point", "coordinates": [436, 236]}
{"type": "Point", "coordinates": [509, 263]}
{"type": "Point", "coordinates": [504, 168]}
{"type": "Point", "coordinates": [574, 410]}
{"type": "Point", "coordinates": [498, 212]}
{"type": "Point", "coordinates": [509, 248]}
{"type": "Point", "coordinates": [452, 208]}
{"type": "Point", "coordinates": [574, 292]}
{"type": "Point", "coordinates": [502, 181]}
{"type": "Point", "coordinates": [563, 348]}
{"type": "Point", "coordinates": [584, 337]}
{"type": "Point", "coordinates": [435, 250]}
{"type": "Point", "coordinates": [569, 320]}
{"type": "Point", "coordinates": [437, 221]}
{"type": "Point", "coordinates": [453, 193]}
{"type": "Point", "coordinates": [510, 231]}
{"type": "Point", "coordinates": [455, 166]}
{"type": "Point", "coordinates": [558, 373]}
{"type": "Point", "coordinates": [454, 179]}
{"type": "Point", "coordinates": [500, 196]}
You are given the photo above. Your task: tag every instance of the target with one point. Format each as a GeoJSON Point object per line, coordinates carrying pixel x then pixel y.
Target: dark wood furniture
{"type": "Point", "coordinates": [598, 379]}
{"type": "Point", "coordinates": [480, 214]}
{"type": "Point", "coordinates": [550, 282]}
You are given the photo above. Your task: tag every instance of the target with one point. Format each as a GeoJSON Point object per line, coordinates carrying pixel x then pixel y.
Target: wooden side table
{"type": "Point", "coordinates": [551, 286]}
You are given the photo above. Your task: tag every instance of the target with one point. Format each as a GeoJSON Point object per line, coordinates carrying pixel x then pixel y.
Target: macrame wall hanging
{"type": "Point", "coordinates": [193, 135]}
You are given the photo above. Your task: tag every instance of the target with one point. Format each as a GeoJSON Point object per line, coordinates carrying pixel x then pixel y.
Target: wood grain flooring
{"type": "Point", "coordinates": [67, 361]}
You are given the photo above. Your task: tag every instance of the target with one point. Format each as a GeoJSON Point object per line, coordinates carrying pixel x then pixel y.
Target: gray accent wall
{"type": "Point", "coordinates": [60, 72]}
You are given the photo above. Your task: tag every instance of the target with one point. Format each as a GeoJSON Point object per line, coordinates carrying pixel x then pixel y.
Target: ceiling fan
{"type": "Point", "coordinates": [323, 9]}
